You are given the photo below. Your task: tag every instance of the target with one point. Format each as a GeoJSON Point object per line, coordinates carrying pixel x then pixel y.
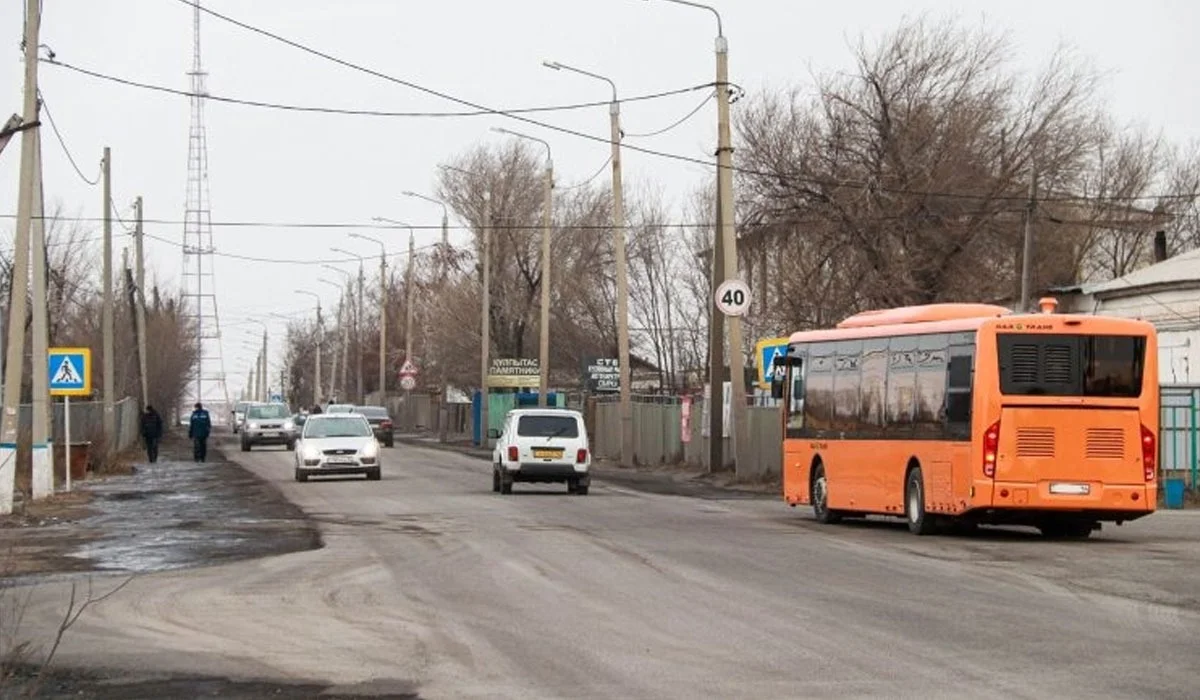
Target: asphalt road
{"type": "Point", "coordinates": [431, 584]}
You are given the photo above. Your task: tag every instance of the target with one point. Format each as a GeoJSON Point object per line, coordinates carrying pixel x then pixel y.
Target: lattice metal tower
{"type": "Point", "coordinates": [198, 281]}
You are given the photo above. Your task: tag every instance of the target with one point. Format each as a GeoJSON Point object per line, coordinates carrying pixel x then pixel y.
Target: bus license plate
{"type": "Point", "coordinates": [1070, 489]}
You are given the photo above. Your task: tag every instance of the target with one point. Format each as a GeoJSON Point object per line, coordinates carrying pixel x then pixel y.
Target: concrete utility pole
{"type": "Point", "coordinates": [383, 301]}
{"type": "Point", "coordinates": [264, 372]}
{"type": "Point", "coordinates": [737, 356]}
{"type": "Point", "coordinates": [42, 482]}
{"type": "Point", "coordinates": [110, 362]}
{"type": "Point", "coordinates": [140, 279]}
{"type": "Point", "coordinates": [360, 397]}
{"type": "Point", "coordinates": [250, 385]}
{"type": "Point", "coordinates": [337, 347]}
{"type": "Point", "coordinates": [134, 325]}
{"type": "Point", "coordinates": [317, 353]}
{"type": "Point", "coordinates": [485, 318]}
{"type": "Point", "coordinates": [443, 379]}
{"type": "Point", "coordinates": [1027, 250]}
{"type": "Point", "coordinates": [547, 217]}
{"type": "Point", "coordinates": [618, 216]}
{"type": "Point", "coordinates": [409, 299]}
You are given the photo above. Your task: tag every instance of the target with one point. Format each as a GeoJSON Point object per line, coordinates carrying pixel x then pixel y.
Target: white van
{"type": "Point", "coordinates": [542, 445]}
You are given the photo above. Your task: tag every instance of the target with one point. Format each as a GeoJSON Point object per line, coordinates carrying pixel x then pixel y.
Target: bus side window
{"type": "Point", "coordinates": [901, 386]}
{"type": "Point", "coordinates": [795, 394]}
{"type": "Point", "coordinates": [959, 379]}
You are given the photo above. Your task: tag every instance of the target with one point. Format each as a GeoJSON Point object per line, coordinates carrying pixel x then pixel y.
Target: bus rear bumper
{"type": "Point", "coordinates": [1022, 501]}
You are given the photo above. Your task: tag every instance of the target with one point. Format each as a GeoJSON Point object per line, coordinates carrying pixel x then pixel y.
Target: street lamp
{"type": "Point", "coordinates": [725, 265]}
{"type": "Point", "coordinates": [544, 345]}
{"type": "Point", "coordinates": [443, 410]}
{"type": "Point", "coordinates": [262, 390]}
{"type": "Point", "coordinates": [618, 217]}
{"type": "Point", "coordinates": [320, 330]}
{"type": "Point", "coordinates": [358, 312]}
{"type": "Point", "coordinates": [485, 326]}
{"type": "Point", "coordinates": [408, 287]}
{"type": "Point", "coordinates": [333, 367]}
{"type": "Point", "coordinates": [382, 314]}
{"type": "Point", "coordinates": [345, 340]}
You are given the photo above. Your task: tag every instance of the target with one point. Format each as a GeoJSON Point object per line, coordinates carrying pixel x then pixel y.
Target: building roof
{"type": "Point", "coordinates": [1183, 269]}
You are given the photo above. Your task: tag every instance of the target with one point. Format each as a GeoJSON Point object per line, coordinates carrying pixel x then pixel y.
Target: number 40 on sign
{"type": "Point", "coordinates": [733, 297]}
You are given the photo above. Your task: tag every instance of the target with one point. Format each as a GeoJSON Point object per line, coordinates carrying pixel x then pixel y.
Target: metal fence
{"type": "Point", "coordinates": [1179, 434]}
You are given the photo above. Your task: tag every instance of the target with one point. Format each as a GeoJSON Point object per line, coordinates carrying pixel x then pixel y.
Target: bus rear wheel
{"type": "Point", "coordinates": [919, 522]}
{"type": "Point", "coordinates": [1067, 530]}
{"type": "Point", "coordinates": [819, 492]}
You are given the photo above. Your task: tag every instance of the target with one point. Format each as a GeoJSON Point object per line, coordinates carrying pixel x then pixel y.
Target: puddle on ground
{"type": "Point", "coordinates": [176, 514]}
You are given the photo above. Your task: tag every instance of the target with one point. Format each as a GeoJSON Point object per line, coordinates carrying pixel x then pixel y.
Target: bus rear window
{"type": "Point", "coordinates": [1071, 365]}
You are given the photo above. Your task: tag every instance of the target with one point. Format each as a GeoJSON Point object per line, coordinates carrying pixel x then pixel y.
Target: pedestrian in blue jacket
{"type": "Point", "coordinates": [199, 428]}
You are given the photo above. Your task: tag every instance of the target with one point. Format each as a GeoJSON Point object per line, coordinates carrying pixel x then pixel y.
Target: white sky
{"type": "Point", "coordinates": [286, 167]}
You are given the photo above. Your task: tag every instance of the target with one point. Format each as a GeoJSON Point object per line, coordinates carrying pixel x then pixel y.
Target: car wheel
{"type": "Point", "coordinates": [245, 445]}
{"type": "Point", "coordinates": [495, 480]}
{"type": "Point", "coordinates": [374, 474]}
{"type": "Point", "coordinates": [581, 490]}
{"type": "Point", "coordinates": [389, 443]}
{"type": "Point", "coordinates": [291, 446]}
{"type": "Point", "coordinates": [506, 484]}
{"type": "Point", "coordinates": [301, 476]}
{"type": "Point", "coordinates": [572, 486]}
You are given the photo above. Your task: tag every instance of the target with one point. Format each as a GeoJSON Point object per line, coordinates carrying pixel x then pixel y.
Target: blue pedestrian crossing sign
{"type": "Point", "coordinates": [276, 398]}
{"type": "Point", "coordinates": [70, 371]}
{"type": "Point", "coordinates": [766, 352]}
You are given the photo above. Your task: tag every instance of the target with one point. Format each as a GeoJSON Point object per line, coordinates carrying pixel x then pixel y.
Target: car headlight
{"type": "Point", "coordinates": [253, 426]}
{"type": "Point", "coordinates": [370, 450]}
{"type": "Point", "coordinates": [289, 426]}
{"type": "Point", "coordinates": [311, 452]}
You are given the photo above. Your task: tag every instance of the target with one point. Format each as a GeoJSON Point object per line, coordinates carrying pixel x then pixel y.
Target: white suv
{"type": "Point", "coordinates": [545, 445]}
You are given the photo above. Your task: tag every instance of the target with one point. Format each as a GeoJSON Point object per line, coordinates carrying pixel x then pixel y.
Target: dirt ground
{"type": "Point", "coordinates": [171, 514]}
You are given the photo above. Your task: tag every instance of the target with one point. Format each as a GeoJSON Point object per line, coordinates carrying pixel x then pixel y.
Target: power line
{"type": "Point", "coordinates": [786, 177]}
{"type": "Point", "coordinates": [62, 142]}
{"type": "Point", "coordinates": [363, 112]}
{"type": "Point", "coordinates": [583, 183]}
{"type": "Point", "coordinates": [665, 129]}
{"type": "Point", "coordinates": [284, 261]}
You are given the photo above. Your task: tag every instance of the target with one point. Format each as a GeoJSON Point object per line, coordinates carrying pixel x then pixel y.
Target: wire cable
{"type": "Point", "coordinates": [665, 129]}
{"type": "Point", "coordinates": [62, 142]}
{"type": "Point", "coordinates": [588, 181]}
{"type": "Point", "coordinates": [360, 112]}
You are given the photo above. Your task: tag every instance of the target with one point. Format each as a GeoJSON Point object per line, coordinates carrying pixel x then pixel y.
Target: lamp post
{"type": "Point", "coordinates": [382, 314]}
{"type": "Point", "coordinates": [262, 392]}
{"type": "Point", "coordinates": [317, 362]}
{"type": "Point", "coordinates": [485, 311]}
{"type": "Point", "coordinates": [725, 266]}
{"type": "Point", "coordinates": [408, 287]}
{"type": "Point", "coordinates": [334, 380]}
{"type": "Point", "coordinates": [544, 345]}
{"type": "Point", "coordinates": [618, 218]}
{"type": "Point", "coordinates": [345, 331]}
{"type": "Point", "coordinates": [358, 314]}
{"type": "Point", "coordinates": [443, 409]}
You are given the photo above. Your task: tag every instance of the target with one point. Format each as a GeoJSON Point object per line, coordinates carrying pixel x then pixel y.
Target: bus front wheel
{"type": "Point", "coordinates": [919, 522]}
{"type": "Point", "coordinates": [819, 493]}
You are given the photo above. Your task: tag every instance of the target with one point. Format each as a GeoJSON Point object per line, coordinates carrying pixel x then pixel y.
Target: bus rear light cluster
{"type": "Point", "coordinates": [991, 446]}
{"type": "Point", "coordinates": [1149, 454]}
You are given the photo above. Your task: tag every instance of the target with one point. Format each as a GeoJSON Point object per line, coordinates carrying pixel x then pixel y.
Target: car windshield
{"type": "Point", "coordinates": [548, 426]}
{"type": "Point", "coordinates": [339, 408]}
{"type": "Point", "coordinates": [271, 411]}
{"type": "Point", "coordinates": [240, 408]}
{"type": "Point", "coordinates": [373, 411]}
{"type": "Point", "coordinates": [347, 426]}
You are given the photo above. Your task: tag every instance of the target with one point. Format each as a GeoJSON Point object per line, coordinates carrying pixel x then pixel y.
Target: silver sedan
{"type": "Point", "coordinates": [333, 444]}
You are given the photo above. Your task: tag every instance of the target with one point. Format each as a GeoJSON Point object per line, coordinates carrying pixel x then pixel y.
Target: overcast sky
{"type": "Point", "coordinates": [277, 166]}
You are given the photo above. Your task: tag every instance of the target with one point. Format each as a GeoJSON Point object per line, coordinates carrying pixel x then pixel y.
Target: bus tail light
{"type": "Point", "coordinates": [991, 446]}
{"type": "Point", "coordinates": [1149, 454]}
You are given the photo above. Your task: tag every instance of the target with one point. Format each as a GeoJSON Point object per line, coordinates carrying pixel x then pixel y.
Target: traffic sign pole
{"type": "Point", "coordinates": [67, 440]}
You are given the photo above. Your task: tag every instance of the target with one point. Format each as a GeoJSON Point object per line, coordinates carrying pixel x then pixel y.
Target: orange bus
{"type": "Point", "coordinates": [966, 414]}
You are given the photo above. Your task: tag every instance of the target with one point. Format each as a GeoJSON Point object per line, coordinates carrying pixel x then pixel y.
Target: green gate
{"type": "Point", "coordinates": [1179, 433]}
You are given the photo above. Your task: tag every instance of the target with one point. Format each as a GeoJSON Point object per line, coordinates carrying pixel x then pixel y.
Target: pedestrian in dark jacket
{"type": "Point", "coordinates": [152, 430]}
{"type": "Point", "coordinates": [199, 428]}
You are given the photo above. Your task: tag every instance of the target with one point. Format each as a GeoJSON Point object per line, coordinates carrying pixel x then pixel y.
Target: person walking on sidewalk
{"type": "Point", "coordinates": [152, 430]}
{"type": "Point", "coordinates": [199, 427]}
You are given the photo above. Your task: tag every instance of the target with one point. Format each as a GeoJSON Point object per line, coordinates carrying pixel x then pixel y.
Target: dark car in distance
{"type": "Point", "coordinates": [381, 423]}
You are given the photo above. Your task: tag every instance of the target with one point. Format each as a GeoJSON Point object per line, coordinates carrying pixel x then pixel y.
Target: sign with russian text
{"type": "Point", "coordinates": [603, 374]}
{"type": "Point", "coordinates": [514, 373]}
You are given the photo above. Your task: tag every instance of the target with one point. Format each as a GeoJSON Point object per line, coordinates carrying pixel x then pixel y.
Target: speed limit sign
{"type": "Point", "coordinates": [407, 383]}
{"type": "Point", "coordinates": [733, 297]}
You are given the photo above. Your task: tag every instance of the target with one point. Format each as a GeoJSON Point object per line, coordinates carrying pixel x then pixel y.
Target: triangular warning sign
{"type": "Point", "coordinates": [66, 373]}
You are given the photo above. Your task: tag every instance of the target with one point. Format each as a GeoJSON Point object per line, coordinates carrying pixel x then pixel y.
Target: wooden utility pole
{"type": "Point", "coordinates": [139, 261]}
{"type": "Point", "coordinates": [110, 416]}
